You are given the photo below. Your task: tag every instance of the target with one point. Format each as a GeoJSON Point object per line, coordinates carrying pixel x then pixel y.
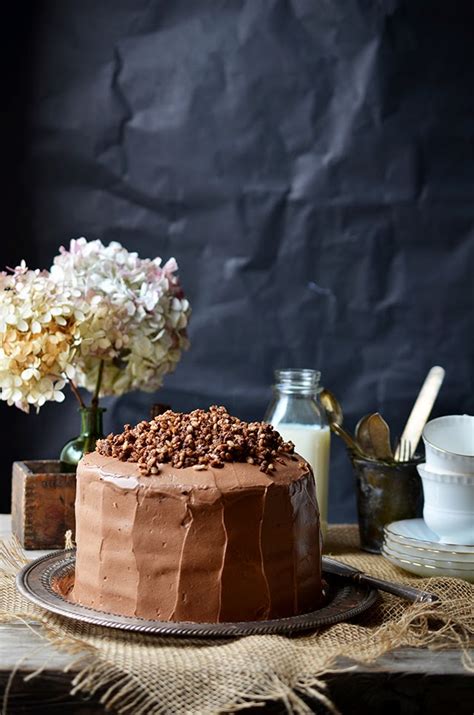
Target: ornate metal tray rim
{"type": "Point", "coordinates": [35, 582]}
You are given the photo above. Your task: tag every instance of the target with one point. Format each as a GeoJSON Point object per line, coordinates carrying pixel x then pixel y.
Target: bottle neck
{"type": "Point", "coordinates": [91, 421]}
{"type": "Point", "coordinates": [303, 383]}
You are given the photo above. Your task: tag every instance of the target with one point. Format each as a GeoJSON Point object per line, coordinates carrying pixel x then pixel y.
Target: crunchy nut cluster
{"type": "Point", "coordinates": [198, 439]}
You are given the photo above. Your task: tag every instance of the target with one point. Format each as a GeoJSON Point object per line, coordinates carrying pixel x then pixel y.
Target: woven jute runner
{"type": "Point", "coordinates": [144, 675]}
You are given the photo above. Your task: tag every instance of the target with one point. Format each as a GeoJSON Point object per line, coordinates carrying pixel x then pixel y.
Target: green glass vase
{"type": "Point", "coordinates": [91, 431]}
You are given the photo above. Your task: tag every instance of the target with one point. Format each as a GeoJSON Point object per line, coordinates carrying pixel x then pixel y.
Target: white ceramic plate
{"type": "Point", "coordinates": [416, 533]}
{"type": "Point", "coordinates": [430, 552]}
{"type": "Point", "coordinates": [427, 558]}
{"type": "Point", "coordinates": [421, 568]}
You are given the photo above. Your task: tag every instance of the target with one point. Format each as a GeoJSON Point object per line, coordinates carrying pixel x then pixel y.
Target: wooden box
{"type": "Point", "coordinates": [42, 504]}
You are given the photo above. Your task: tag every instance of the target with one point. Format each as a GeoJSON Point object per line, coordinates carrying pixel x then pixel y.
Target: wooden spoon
{"type": "Point", "coordinates": [380, 437]}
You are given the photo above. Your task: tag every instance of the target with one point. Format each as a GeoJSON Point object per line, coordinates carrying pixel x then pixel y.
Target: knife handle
{"type": "Point", "coordinates": [415, 595]}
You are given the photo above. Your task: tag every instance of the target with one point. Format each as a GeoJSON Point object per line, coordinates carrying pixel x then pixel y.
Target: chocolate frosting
{"type": "Point", "coordinates": [228, 544]}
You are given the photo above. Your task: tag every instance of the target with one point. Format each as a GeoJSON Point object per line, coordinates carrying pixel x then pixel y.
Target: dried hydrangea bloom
{"type": "Point", "coordinates": [38, 338]}
{"type": "Point", "coordinates": [134, 315]}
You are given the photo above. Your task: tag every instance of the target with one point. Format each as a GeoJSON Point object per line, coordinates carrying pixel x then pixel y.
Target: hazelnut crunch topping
{"type": "Point", "coordinates": [198, 439]}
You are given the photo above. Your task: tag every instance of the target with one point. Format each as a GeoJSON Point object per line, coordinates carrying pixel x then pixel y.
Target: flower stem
{"type": "Point", "coordinates": [95, 397]}
{"type": "Point", "coordinates": [76, 393]}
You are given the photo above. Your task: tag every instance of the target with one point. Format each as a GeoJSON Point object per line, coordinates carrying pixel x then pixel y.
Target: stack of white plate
{"type": "Point", "coordinates": [412, 546]}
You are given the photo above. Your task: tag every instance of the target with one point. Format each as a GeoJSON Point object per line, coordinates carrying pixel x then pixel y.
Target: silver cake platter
{"type": "Point", "coordinates": [45, 580]}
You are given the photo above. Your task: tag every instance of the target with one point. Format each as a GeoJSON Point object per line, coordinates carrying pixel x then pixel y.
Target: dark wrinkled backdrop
{"type": "Point", "coordinates": [309, 164]}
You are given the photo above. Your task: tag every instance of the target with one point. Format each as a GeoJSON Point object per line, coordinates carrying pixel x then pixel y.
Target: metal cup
{"type": "Point", "coordinates": [385, 493]}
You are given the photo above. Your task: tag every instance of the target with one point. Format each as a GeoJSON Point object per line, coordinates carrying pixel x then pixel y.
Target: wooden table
{"type": "Point", "coordinates": [409, 680]}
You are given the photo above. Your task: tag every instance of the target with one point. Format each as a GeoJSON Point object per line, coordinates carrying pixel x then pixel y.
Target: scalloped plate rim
{"type": "Point", "coordinates": [34, 583]}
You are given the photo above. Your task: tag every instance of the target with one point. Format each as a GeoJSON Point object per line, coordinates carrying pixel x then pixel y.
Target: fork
{"type": "Point", "coordinates": [403, 452]}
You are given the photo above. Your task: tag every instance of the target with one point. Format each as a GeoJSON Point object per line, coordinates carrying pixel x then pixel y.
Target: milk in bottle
{"type": "Point", "coordinates": [296, 413]}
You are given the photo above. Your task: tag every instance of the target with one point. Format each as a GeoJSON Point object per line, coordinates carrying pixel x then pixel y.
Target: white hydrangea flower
{"type": "Point", "coordinates": [38, 338]}
{"type": "Point", "coordinates": [133, 315]}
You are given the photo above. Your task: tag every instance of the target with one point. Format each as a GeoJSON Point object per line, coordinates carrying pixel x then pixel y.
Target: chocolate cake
{"type": "Point", "coordinates": [197, 517]}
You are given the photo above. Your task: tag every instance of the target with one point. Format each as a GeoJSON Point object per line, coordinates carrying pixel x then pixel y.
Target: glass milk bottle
{"type": "Point", "coordinates": [298, 416]}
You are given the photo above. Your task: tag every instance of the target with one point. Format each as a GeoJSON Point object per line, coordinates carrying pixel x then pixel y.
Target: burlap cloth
{"type": "Point", "coordinates": [146, 675]}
